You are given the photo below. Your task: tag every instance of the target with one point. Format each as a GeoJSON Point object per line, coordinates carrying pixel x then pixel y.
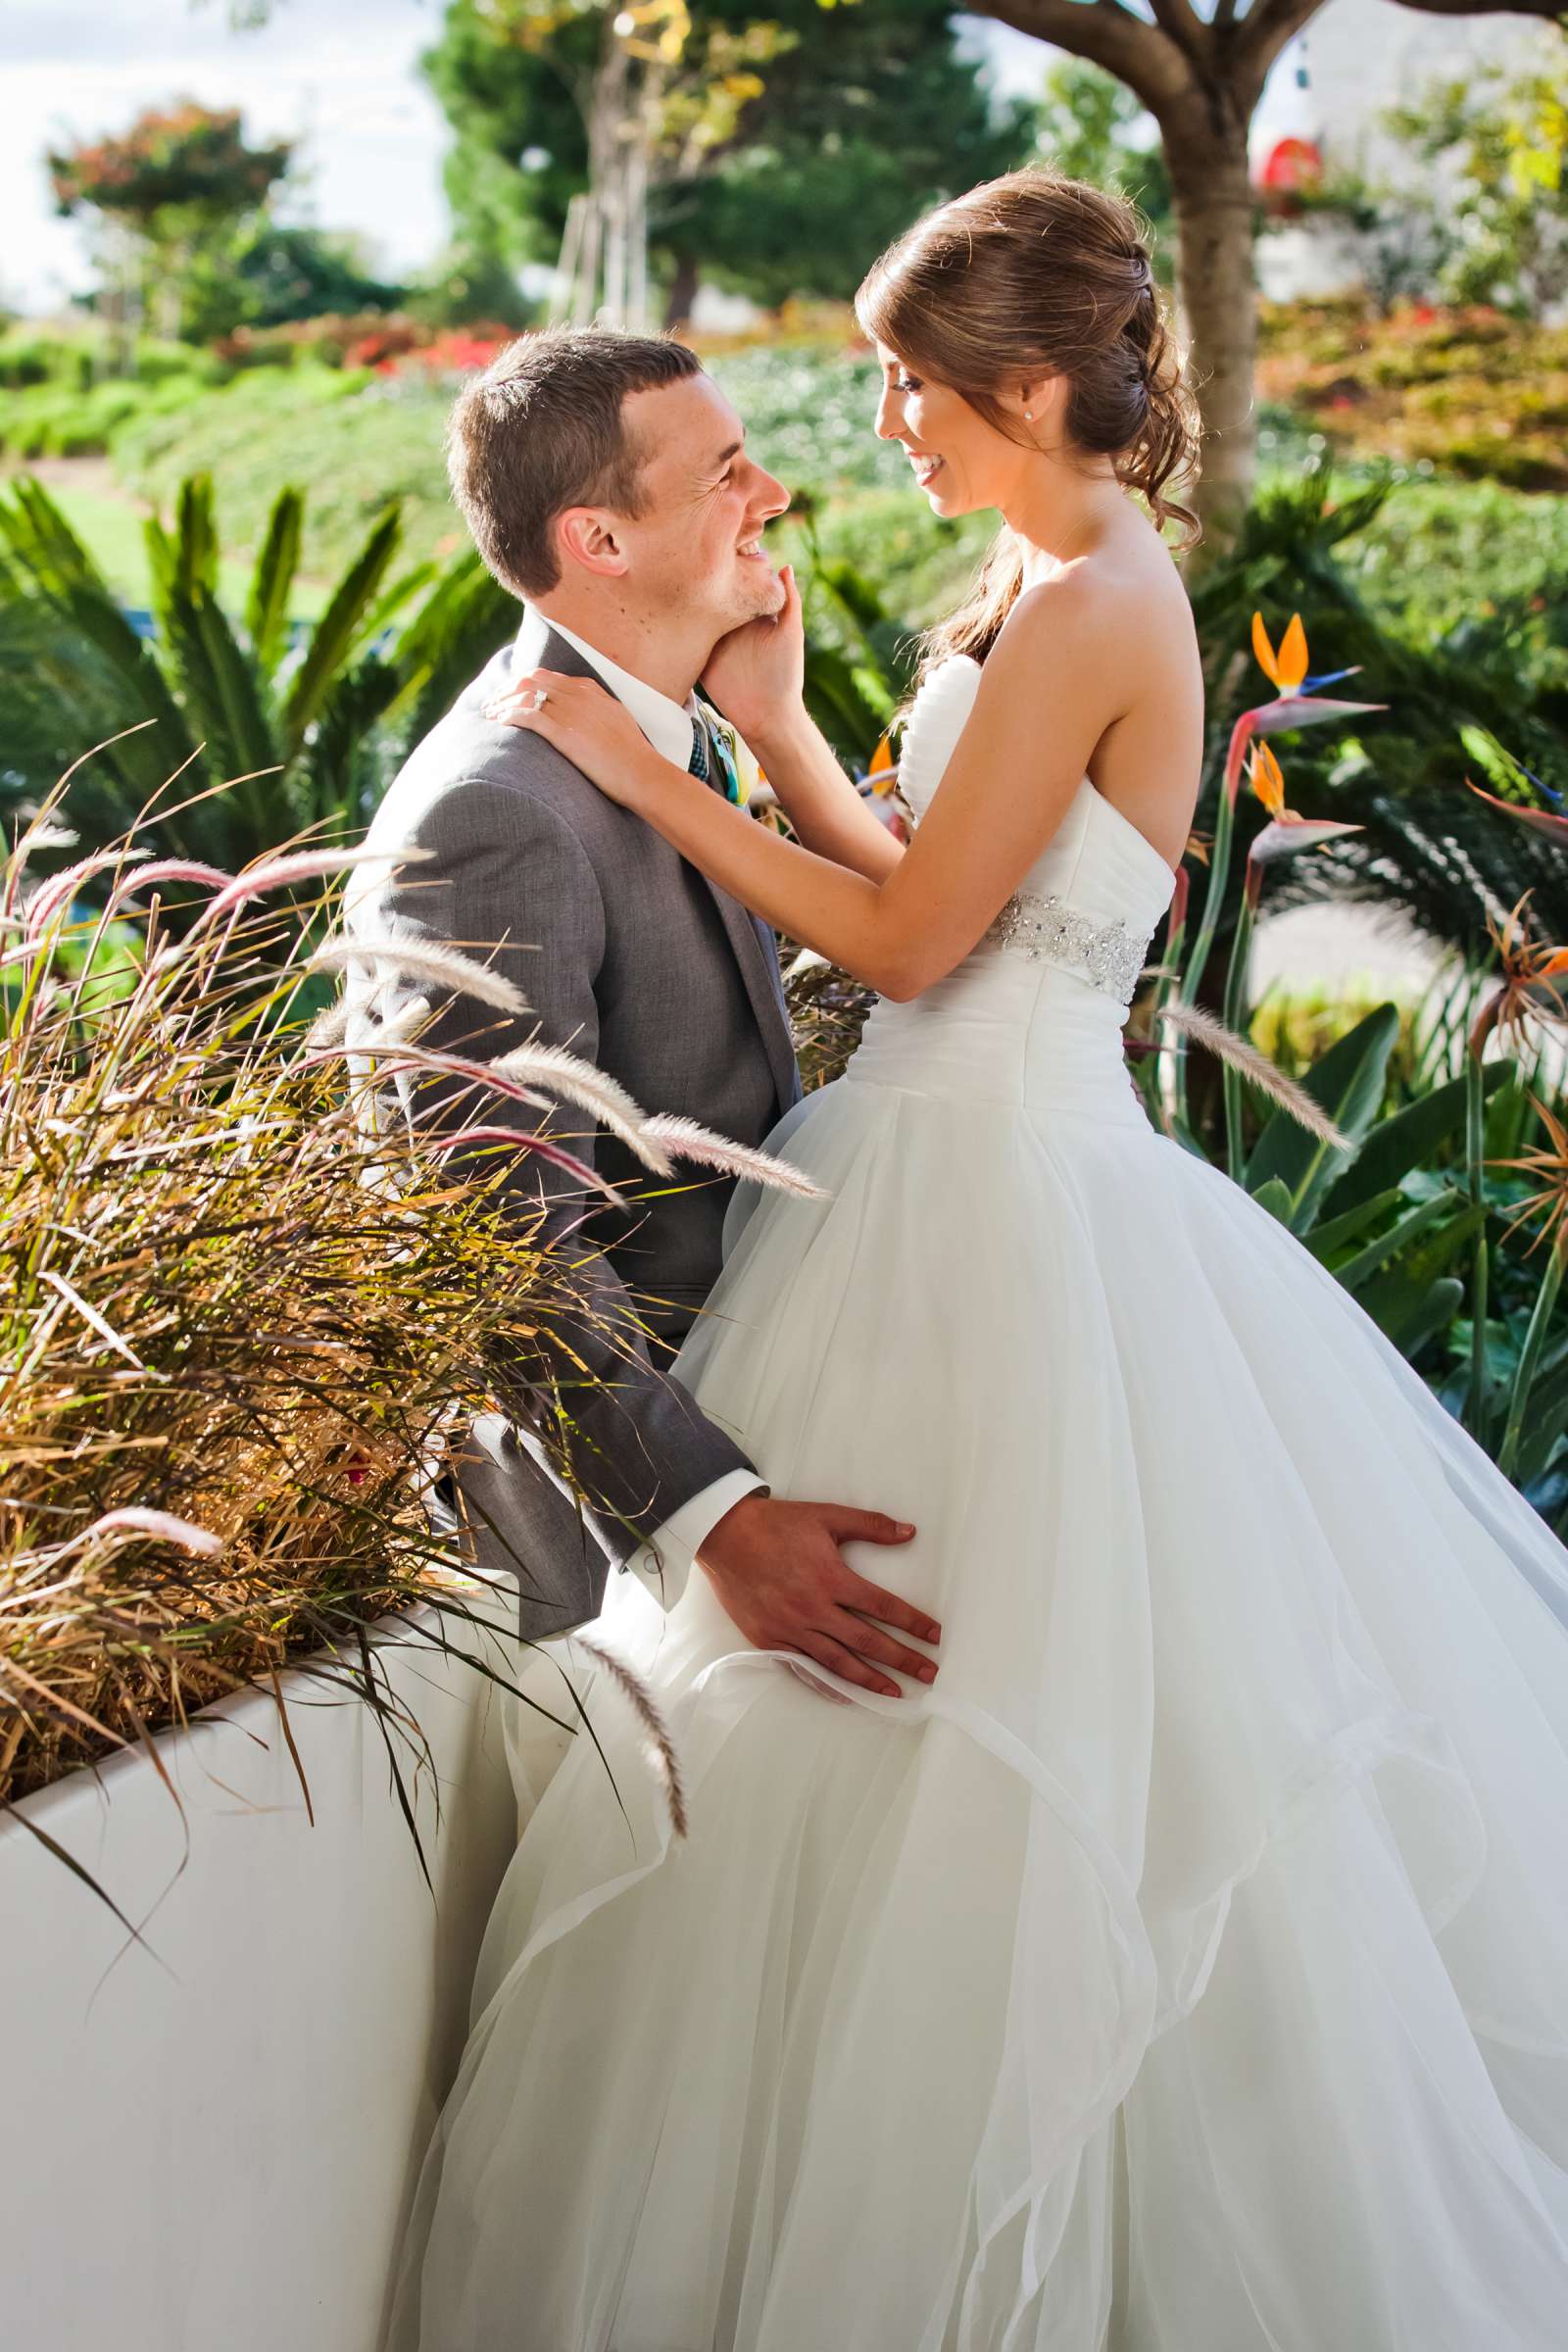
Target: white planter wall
{"type": "Point", "coordinates": [212, 2149]}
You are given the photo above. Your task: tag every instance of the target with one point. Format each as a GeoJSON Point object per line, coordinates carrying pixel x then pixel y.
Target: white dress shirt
{"type": "Point", "coordinates": [664, 1561]}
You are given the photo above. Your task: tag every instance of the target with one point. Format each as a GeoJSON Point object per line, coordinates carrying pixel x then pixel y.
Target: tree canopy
{"type": "Point", "coordinates": [181, 161]}
{"type": "Point", "coordinates": [171, 193]}
{"type": "Point", "coordinates": [835, 127]}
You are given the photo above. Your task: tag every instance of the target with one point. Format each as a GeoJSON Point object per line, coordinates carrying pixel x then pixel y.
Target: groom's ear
{"type": "Point", "coordinates": [589, 538]}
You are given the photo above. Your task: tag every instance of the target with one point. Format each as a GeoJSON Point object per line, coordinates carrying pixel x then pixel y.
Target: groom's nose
{"type": "Point", "coordinates": [770, 498]}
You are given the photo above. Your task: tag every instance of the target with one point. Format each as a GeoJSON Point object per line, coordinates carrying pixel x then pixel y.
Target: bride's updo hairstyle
{"type": "Point", "coordinates": [1035, 274]}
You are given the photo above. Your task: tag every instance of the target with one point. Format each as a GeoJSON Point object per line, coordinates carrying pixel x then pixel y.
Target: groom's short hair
{"type": "Point", "coordinates": [542, 431]}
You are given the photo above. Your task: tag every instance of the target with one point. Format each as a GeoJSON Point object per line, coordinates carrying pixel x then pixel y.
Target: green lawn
{"type": "Point", "coordinates": [111, 530]}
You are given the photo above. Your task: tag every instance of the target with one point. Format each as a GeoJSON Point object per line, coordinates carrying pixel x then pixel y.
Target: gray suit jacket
{"type": "Point", "coordinates": [627, 955]}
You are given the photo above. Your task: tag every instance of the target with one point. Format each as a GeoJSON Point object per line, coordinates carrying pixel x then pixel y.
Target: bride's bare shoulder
{"type": "Point", "coordinates": [1111, 645]}
{"type": "Point", "coordinates": [1123, 603]}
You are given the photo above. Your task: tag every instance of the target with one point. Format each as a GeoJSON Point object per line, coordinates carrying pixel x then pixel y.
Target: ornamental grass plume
{"type": "Point", "coordinates": [238, 1319]}
{"type": "Point", "coordinates": [1239, 1053]}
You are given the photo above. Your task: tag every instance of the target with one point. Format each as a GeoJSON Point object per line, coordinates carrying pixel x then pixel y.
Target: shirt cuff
{"type": "Point", "coordinates": [664, 1561]}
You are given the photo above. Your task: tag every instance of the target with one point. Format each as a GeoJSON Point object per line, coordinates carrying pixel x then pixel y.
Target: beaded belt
{"type": "Point", "coordinates": [1107, 955]}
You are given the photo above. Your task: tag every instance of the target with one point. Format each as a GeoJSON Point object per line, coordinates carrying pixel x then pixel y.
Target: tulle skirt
{"type": "Point", "coordinates": [1186, 1970]}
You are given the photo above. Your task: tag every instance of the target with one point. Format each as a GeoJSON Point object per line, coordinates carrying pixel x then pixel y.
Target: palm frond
{"type": "Point", "coordinates": [77, 646]}
{"type": "Point", "coordinates": [466, 619]}
{"type": "Point", "coordinates": [272, 582]}
{"type": "Point", "coordinates": [339, 628]}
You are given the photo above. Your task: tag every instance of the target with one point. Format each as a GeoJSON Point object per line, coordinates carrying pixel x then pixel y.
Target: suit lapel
{"type": "Point", "coordinates": [758, 958]}
{"type": "Point", "coordinates": [751, 940]}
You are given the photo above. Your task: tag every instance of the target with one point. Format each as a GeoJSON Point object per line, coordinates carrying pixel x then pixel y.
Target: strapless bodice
{"type": "Point", "coordinates": [1096, 865]}
{"type": "Point", "coordinates": [1035, 1014]}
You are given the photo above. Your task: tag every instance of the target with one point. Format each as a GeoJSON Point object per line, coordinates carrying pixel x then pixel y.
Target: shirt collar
{"type": "Point", "coordinates": [669, 728]}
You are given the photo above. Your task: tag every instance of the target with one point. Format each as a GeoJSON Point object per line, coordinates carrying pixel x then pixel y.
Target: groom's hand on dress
{"type": "Point", "coordinates": [778, 1571]}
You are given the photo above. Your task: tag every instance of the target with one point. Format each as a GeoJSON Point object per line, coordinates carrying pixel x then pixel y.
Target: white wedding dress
{"type": "Point", "coordinates": [1187, 1969]}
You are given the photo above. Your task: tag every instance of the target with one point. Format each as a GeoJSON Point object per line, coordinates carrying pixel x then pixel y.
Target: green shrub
{"type": "Point", "coordinates": [358, 440]}
{"type": "Point", "coordinates": [32, 360]}
{"type": "Point", "coordinates": [180, 363]}
{"type": "Point", "coordinates": [808, 416]}
{"type": "Point", "coordinates": [1465, 389]}
{"type": "Point", "coordinates": [68, 440]}
{"type": "Point", "coordinates": [1446, 558]}
{"type": "Point", "coordinates": [1495, 458]}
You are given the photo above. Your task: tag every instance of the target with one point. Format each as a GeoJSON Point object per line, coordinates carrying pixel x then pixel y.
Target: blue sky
{"type": "Point", "coordinates": [339, 75]}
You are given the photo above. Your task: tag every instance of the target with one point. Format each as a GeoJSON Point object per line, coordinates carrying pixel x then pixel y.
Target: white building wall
{"type": "Point", "coordinates": [1359, 59]}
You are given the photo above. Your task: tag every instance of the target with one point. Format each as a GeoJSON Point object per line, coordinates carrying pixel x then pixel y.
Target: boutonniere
{"type": "Point", "coordinates": [739, 762]}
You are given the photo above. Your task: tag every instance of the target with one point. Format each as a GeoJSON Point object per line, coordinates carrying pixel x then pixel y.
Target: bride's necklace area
{"type": "Point", "coordinates": [1058, 558]}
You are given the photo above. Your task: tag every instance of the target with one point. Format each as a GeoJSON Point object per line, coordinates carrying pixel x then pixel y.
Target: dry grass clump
{"type": "Point", "coordinates": [236, 1318]}
{"type": "Point", "coordinates": [235, 1323]}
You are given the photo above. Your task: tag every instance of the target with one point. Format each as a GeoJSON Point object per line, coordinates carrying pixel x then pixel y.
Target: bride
{"type": "Point", "coordinates": [1186, 1968]}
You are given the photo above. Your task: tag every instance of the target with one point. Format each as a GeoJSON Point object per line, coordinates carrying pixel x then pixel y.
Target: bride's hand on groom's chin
{"type": "Point", "coordinates": [780, 1576]}
{"type": "Point", "coordinates": [588, 726]}
{"type": "Point", "coordinates": [757, 674]}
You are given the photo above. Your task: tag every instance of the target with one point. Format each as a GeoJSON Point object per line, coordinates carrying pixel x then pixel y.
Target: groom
{"type": "Point", "coordinates": [605, 482]}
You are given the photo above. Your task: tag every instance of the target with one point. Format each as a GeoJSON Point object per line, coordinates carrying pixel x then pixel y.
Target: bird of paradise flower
{"type": "Point", "coordinates": [1297, 701]}
{"type": "Point", "coordinates": [1284, 833]}
{"type": "Point", "coordinates": [1532, 974]}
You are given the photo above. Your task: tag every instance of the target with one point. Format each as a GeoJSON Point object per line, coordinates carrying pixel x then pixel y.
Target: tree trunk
{"type": "Point", "coordinates": [1200, 76]}
{"type": "Point", "coordinates": [682, 293]}
{"type": "Point", "coordinates": [637, 239]}
{"type": "Point", "coordinates": [1215, 220]}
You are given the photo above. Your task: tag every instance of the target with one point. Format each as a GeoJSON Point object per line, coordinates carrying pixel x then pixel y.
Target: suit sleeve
{"type": "Point", "coordinates": [507, 882]}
